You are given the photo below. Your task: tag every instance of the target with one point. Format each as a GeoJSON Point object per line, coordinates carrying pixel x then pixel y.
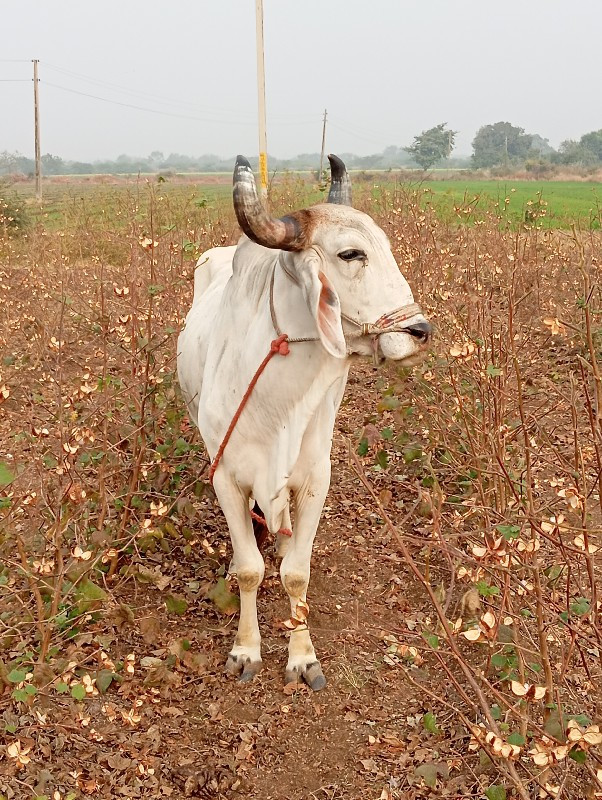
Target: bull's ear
{"type": "Point", "coordinates": [324, 304]}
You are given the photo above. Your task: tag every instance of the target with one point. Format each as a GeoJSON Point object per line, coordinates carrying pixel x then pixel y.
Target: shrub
{"type": "Point", "coordinates": [12, 213]}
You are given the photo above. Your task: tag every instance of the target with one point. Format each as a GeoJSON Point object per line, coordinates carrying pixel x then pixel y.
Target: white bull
{"type": "Point", "coordinates": [325, 276]}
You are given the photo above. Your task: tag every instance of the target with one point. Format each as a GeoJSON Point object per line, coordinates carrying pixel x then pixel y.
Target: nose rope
{"type": "Point", "coordinates": [391, 322]}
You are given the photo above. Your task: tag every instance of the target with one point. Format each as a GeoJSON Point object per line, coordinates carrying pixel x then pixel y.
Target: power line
{"type": "Point", "coordinates": [159, 98]}
{"type": "Point", "coordinates": [166, 113]}
{"type": "Point", "coordinates": [141, 108]}
{"type": "Point", "coordinates": [15, 80]}
{"type": "Point", "coordinates": [371, 139]}
{"type": "Point", "coordinates": [122, 89]}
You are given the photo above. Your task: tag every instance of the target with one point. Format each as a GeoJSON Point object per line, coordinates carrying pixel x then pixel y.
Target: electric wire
{"type": "Point", "coordinates": [169, 101]}
{"type": "Point", "coordinates": [164, 113]}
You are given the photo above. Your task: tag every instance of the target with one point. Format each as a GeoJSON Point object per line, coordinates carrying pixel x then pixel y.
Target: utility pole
{"type": "Point", "coordinates": [323, 142]}
{"type": "Point", "coordinates": [36, 102]}
{"type": "Point", "coordinates": [263, 139]}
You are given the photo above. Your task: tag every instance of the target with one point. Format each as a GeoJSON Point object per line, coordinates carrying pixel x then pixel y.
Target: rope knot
{"type": "Point", "coordinates": [280, 345]}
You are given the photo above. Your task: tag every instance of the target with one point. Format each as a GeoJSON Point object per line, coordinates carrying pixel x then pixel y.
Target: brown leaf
{"type": "Point", "coordinates": [227, 602]}
{"type": "Point", "coordinates": [150, 628]}
{"type": "Point", "coordinates": [471, 603]}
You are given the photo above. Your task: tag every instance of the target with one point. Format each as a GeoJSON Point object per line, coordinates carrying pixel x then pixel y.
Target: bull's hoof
{"type": "Point", "coordinates": [243, 666]}
{"type": "Point", "coordinates": [310, 673]}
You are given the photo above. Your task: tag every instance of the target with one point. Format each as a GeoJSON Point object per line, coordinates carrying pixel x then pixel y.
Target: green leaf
{"type": "Point", "coordinates": [388, 403]}
{"type": "Point", "coordinates": [516, 738]}
{"type": "Point", "coordinates": [387, 434]}
{"type": "Point", "coordinates": [62, 687]}
{"type": "Point", "coordinates": [428, 773]}
{"type": "Point", "coordinates": [554, 572]}
{"type": "Point", "coordinates": [20, 695]}
{"type": "Point", "coordinates": [16, 676]}
{"type": "Point", "coordinates": [432, 640]}
{"type": "Point", "coordinates": [582, 719]}
{"type": "Point", "coordinates": [104, 678]}
{"type": "Point", "coordinates": [580, 607]}
{"type": "Point", "coordinates": [6, 476]}
{"type": "Point", "coordinates": [78, 692]}
{"type": "Point", "coordinates": [412, 454]}
{"type": "Point", "coordinates": [485, 590]}
{"type": "Point", "coordinates": [176, 604]}
{"type": "Point", "coordinates": [499, 661]}
{"type": "Point", "coordinates": [382, 459]}
{"type": "Point", "coordinates": [30, 689]}
{"type": "Point", "coordinates": [495, 792]}
{"type": "Point", "coordinates": [493, 372]}
{"type": "Point", "coordinates": [553, 727]}
{"type": "Point", "coordinates": [429, 722]}
{"type": "Point", "coordinates": [362, 447]}
{"type": "Point", "coordinates": [88, 595]}
{"type": "Point", "coordinates": [580, 756]}
{"type": "Point", "coordinates": [227, 602]}
{"type": "Point", "coordinates": [496, 712]}
{"type": "Point", "coordinates": [509, 532]}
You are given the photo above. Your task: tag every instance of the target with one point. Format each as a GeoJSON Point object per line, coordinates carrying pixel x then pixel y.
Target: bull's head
{"type": "Point", "coordinates": [343, 262]}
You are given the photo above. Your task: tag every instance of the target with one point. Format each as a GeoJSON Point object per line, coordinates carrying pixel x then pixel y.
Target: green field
{"type": "Point", "coordinates": [547, 204]}
{"type": "Point", "coordinates": [554, 204]}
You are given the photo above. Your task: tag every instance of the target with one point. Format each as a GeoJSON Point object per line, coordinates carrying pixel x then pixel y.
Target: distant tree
{"type": "Point", "coordinates": [15, 162]}
{"type": "Point", "coordinates": [156, 158]}
{"type": "Point", "coordinates": [593, 142]}
{"type": "Point", "coordinates": [432, 146]}
{"type": "Point", "coordinates": [575, 153]}
{"type": "Point", "coordinates": [500, 144]}
{"type": "Point", "coordinates": [52, 165]}
{"type": "Point", "coordinates": [541, 146]}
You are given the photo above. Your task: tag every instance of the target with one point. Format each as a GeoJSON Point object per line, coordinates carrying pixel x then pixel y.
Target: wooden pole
{"type": "Point", "coordinates": [323, 142]}
{"type": "Point", "coordinates": [36, 109]}
{"type": "Point", "coordinates": [263, 140]}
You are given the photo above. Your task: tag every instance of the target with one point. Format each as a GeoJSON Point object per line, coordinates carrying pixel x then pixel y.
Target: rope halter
{"type": "Point", "coordinates": [392, 322]}
{"type": "Point", "coordinates": [388, 323]}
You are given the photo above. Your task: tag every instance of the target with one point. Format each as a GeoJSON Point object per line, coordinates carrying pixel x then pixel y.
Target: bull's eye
{"type": "Point", "coordinates": [352, 255]}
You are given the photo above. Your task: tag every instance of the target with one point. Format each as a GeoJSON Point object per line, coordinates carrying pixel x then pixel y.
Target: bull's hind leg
{"type": "Point", "coordinates": [245, 656]}
{"type": "Point", "coordinates": [294, 571]}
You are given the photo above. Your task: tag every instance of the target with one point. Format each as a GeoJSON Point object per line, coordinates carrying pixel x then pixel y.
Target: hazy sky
{"type": "Point", "coordinates": [384, 69]}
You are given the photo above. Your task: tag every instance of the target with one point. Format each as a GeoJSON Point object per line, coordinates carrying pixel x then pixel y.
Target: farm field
{"type": "Point", "coordinates": [555, 204]}
{"type": "Point", "coordinates": [546, 204]}
{"type": "Point", "coordinates": [455, 593]}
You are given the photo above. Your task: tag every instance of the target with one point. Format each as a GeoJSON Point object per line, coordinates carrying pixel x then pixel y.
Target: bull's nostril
{"type": "Point", "coordinates": [421, 331]}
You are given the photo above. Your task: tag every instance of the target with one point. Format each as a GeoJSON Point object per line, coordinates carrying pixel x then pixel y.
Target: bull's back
{"type": "Point", "coordinates": [211, 275]}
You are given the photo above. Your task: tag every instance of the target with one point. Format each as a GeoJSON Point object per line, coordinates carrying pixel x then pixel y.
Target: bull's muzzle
{"type": "Point", "coordinates": [421, 331]}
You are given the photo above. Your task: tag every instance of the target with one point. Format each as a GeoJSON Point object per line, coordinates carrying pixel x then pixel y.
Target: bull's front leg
{"type": "Point", "coordinates": [295, 570]}
{"type": "Point", "coordinates": [245, 656]}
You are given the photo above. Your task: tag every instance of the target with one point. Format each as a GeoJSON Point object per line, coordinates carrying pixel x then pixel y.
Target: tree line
{"type": "Point", "coordinates": [499, 145]}
{"type": "Point", "coordinates": [505, 145]}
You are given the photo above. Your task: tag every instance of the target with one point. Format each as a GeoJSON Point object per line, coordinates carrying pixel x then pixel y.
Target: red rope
{"type": "Point", "coordinates": [278, 347]}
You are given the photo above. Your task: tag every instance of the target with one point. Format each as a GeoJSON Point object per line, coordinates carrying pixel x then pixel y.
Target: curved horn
{"type": "Point", "coordinates": [340, 186]}
{"type": "Point", "coordinates": [288, 233]}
